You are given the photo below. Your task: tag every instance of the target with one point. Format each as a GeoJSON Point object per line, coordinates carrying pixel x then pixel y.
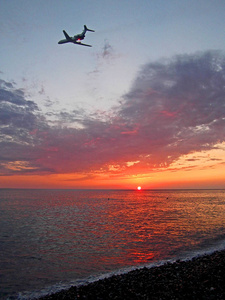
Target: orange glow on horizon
{"type": "Point", "coordinates": [193, 176]}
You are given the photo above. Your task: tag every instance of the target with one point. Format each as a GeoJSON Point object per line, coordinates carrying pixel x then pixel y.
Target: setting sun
{"type": "Point", "coordinates": [139, 188]}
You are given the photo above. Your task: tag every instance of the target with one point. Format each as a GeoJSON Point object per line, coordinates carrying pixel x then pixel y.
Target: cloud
{"type": "Point", "coordinates": [104, 57]}
{"type": "Point", "coordinates": [178, 105]}
{"type": "Point", "coordinates": [18, 119]}
{"type": "Point", "coordinates": [107, 50]}
{"type": "Point", "coordinates": [175, 107]}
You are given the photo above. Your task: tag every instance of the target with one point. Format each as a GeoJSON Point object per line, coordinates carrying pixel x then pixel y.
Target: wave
{"type": "Point", "coordinates": [217, 245]}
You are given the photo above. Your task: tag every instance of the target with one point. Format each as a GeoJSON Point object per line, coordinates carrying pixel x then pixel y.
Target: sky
{"type": "Point", "coordinates": [144, 106]}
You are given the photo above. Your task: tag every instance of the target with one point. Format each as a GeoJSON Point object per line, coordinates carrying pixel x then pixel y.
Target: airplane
{"type": "Point", "coordinates": [77, 38]}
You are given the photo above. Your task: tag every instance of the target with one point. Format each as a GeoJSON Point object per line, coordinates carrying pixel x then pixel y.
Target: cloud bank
{"type": "Point", "coordinates": [175, 107]}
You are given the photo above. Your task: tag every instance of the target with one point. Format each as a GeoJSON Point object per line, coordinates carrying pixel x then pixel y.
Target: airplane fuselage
{"type": "Point", "coordinates": [64, 41]}
{"type": "Point", "coordinates": [74, 39]}
{"type": "Point", "coordinates": [79, 37]}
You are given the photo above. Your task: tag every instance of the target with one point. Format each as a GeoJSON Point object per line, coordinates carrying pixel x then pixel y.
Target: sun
{"type": "Point", "coordinates": [139, 188]}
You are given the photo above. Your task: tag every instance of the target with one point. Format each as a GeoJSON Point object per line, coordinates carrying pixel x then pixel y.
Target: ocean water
{"type": "Point", "coordinates": [52, 239]}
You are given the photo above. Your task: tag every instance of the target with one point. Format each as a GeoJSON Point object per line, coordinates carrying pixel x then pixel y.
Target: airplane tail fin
{"type": "Point", "coordinates": [87, 29]}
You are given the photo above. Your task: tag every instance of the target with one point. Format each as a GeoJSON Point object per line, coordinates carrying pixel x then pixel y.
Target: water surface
{"type": "Point", "coordinates": [50, 239]}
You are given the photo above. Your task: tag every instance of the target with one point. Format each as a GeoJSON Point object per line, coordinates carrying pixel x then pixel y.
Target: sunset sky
{"type": "Point", "coordinates": [145, 106]}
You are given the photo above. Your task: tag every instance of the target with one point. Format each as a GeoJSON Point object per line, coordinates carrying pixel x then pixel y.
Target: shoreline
{"type": "Point", "coordinates": [201, 277]}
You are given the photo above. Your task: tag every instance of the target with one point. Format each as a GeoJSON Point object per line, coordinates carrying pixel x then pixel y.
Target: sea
{"type": "Point", "coordinates": [53, 239]}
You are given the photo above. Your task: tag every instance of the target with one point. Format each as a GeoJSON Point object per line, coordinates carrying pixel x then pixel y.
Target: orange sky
{"type": "Point", "coordinates": [182, 174]}
{"type": "Point", "coordinates": [168, 131]}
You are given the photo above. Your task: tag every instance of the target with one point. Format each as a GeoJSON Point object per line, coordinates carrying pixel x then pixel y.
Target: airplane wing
{"type": "Point", "coordinates": [82, 44]}
{"type": "Point", "coordinates": [67, 36]}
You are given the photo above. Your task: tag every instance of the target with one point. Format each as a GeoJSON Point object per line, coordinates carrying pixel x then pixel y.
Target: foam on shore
{"type": "Point", "coordinates": [199, 278]}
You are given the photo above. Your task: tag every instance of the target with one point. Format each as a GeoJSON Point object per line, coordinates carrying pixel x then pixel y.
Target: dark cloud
{"type": "Point", "coordinates": [5, 84]}
{"type": "Point", "coordinates": [175, 107]}
{"type": "Point", "coordinates": [178, 105]}
{"type": "Point", "coordinates": [19, 118]}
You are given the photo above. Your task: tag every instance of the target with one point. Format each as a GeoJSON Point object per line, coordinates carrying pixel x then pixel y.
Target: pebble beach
{"type": "Point", "coordinates": [199, 278]}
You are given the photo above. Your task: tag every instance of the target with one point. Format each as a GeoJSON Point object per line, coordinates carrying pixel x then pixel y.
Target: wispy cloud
{"type": "Point", "coordinates": [105, 56]}
{"type": "Point", "coordinates": [175, 107]}
{"type": "Point", "coordinates": [107, 51]}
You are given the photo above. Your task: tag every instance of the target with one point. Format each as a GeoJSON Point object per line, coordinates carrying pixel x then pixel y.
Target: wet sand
{"type": "Point", "coordinates": [199, 278]}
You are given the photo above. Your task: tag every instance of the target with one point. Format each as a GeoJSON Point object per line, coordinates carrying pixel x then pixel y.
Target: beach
{"type": "Point", "coordinates": [199, 278]}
